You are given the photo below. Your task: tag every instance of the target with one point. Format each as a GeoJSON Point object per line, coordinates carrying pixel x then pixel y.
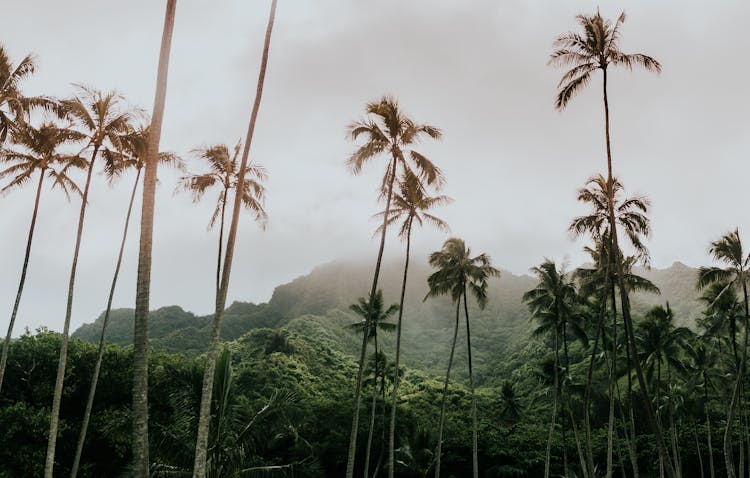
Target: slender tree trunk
{"type": "Point", "coordinates": [102, 339]}
{"type": "Point", "coordinates": [733, 405]}
{"type": "Point", "coordinates": [708, 427]}
{"type": "Point", "coordinates": [698, 448]}
{"type": "Point", "coordinates": [201, 445]}
{"type": "Point", "coordinates": [394, 398]}
{"type": "Point", "coordinates": [657, 396]}
{"type": "Point", "coordinates": [439, 452]}
{"type": "Point", "coordinates": [370, 433]}
{"type": "Point", "coordinates": [57, 397]}
{"type": "Point", "coordinates": [548, 453]}
{"type": "Point", "coordinates": [589, 379]}
{"type": "Point", "coordinates": [574, 427]}
{"type": "Point", "coordinates": [624, 299]}
{"type": "Point", "coordinates": [24, 268]}
{"type": "Point", "coordinates": [612, 379]}
{"type": "Point", "coordinates": [672, 425]}
{"type": "Point", "coordinates": [474, 437]}
{"type": "Point", "coordinates": [221, 240]}
{"type": "Point", "coordinates": [632, 445]}
{"type": "Point", "coordinates": [143, 280]}
{"type": "Point", "coordinates": [581, 455]}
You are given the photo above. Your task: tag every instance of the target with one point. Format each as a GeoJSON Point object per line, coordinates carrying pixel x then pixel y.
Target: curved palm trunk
{"type": "Point", "coordinates": [358, 388]}
{"type": "Point", "coordinates": [624, 299]}
{"type": "Point", "coordinates": [24, 268]}
{"type": "Point", "coordinates": [201, 445]}
{"type": "Point", "coordinates": [143, 278]}
{"type": "Point", "coordinates": [57, 396]}
{"type": "Point", "coordinates": [100, 352]}
{"type": "Point", "coordinates": [698, 448]}
{"type": "Point", "coordinates": [394, 398]}
{"type": "Point", "coordinates": [474, 438]}
{"type": "Point", "coordinates": [368, 450]}
{"type": "Point", "coordinates": [221, 240]}
{"type": "Point", "coordinates": [733, 405]}
{"type": "Point", "coordinates": [548, 453]}
{"type": "Point", "coordinates": [612, 380]}
{"type": "Point", "coordinates": [445, 393]}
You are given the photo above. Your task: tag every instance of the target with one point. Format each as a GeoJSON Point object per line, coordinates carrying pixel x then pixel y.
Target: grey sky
{"type": "Point", "coordinates": [476, 69]}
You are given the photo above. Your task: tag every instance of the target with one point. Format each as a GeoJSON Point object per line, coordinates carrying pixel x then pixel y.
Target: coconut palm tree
{"type": "Point", "coordinates": [410, 205]}
{"type": "Point", "coordinates": [14, 106]}
{"type": "Point", "coordinates": [133, 154]}
{"type": "Point", "coordinates": [456, 273]}
{"type": "Point", "coordinates": [40, 152]}
{"type": "Point", "coordinates": [728, 249]}
{"type": "Point", "coordinates": [373, 319]}
{"type": "Point", "coordinates": [390, 133]}
{"type": "Point", "coordinates": [553, 305]}
{"type": "Point", "coordinates": [224, 174]}
{"type": "Point", "coordinates": [102, 121]}
{"type": "Point", "coordinates": [201, 447]}
{"type": "Point", "coordinates": [703, 366]}
{"type": "Point", "coordinates": [598, 48]}
{"type": "Point", "coordinates": [143, 278]}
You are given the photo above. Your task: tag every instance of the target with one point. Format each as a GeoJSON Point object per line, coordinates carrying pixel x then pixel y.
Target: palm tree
{"type": "Point", "coordinates": [410, 205]}
{"type": "Point", "coordinates": [390, 132]}
{"type": "Point", "coordinates": [597, 49]}
{"type": "Point", "coordinates": [456, 273]}
{"type": "Point", "coordinates": [660, 344]}
{"type": "Point", "coordinates": [40, 152]}
{"type": "Point", "coordinates": [510, 405]}
{"type": "Point", "coordinates": [201, 447]}
{"type": "Point", "coordinates": [143, 279]}
{"type": "Point", "coordinates": [373, 319]}
{"type": "Point", "coordinates": [102, 122]}
{"type": "Point", "coordinates": [134, 145]}
{"type": "Point", "coordinates": [728, 249]}
{"type": "Point", "coordinates": [553, 302]}
{"type": "Point", "coordinates": [14, 106]}
{"type": "Point", "coordinates": [703, 364]}
{"type": "Point", "coordinates": [224, 173]}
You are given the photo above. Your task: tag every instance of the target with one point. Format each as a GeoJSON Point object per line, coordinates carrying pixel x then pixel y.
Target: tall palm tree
{"type": "Point", "coordinates": [14, 106]}
{"type": "Point", "coordinates": [728, 249]}
{"type": "Point", "coordinates": [224, 173]}
{"type": "Point", "coordinates": [703, 364]}
{"type": "Point", "coordinates": [102, 121]}
{"type": "Point", "coordinates": [553, 305]}
{"type": "Point", "coordinates": [456, 273]}
{"type": "Point", "coordinates": [201, 447]}
{"type": "Point", "coordinates": [598, 48]}
{"type": "Point", "coordinates": [133, 155]}
{"type": "Point", "coordinates": [389, 132]}
{"type": "Point", "coordinates": [143, 279]}
{"type": "Point", "coordinates": [373, 319]}
{"type": "Point", "coordinates": [410, 205]}
{"type": "Point", "coordinates": [39, 153]}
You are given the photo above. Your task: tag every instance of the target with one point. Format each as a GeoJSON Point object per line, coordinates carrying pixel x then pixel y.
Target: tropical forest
{"type": "Point", "coordinates": [396, 240]}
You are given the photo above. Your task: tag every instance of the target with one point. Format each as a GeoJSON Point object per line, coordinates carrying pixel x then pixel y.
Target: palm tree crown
{"type": "Point", "coordinates": [596, 49]}
{"type": "Point", "coordinates": [458, 271]}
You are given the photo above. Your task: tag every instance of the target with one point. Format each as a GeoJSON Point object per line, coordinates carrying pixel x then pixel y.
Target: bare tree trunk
{"type": "Point", "coordinates": [698, 448]}
{"type": "Point", "coordinates": [708, 427]}
{"type": "Point", "coordinates": [143, 280]}
{"type": "Point", "coordinates": [24, 268]}
{"type": "Point", "coordinates": [548, 453]}
{"type": "Point", "coordinates": [589, 378]}
{"type": "Point", "coordinates": [625, 301]}
{"type": "Point", "coordinates": [439, 452]}
{"type": "Point", "coordinates": [474, 438]}
{"type": "Point", "coordinates": [370, 433]}
{"type": "Point", "coordinates": [201, 445]}
{"type": "Point", "coordinates": [632, 445]}
{"type": "Point", "coordinates": [612, 379]}
{"type": "Point", "coordinates": [221, 240]}
{"type": "Point", "coordinates": [57, 396]}
{"type": "Point", "coordinates": [102, 339]}
{"type": "Point", "coordinates": [394, 399]}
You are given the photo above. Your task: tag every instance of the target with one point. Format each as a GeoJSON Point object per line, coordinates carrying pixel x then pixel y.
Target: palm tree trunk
{"type": "Point", "coordinates": [221, 240]}
{"type": "Point", "coordinates": [555, 383]}
{"type": "Point", "coordinates": [698, 448]}
{"type": "Point", "coordinates": [445, 393]}
{"type": "Point", "coordinates": [624, 299]}
{"type": "Point", "coordinates": [708, 427]}
{"type": "Point", "coordinates": [581, 455]}
{"type": "Point", "coordinates": [100, 352]}
{"type": "Point", "coordinates": [672, 426]}
{"type": "Point", "coordinates": [569, 405]}
{"type": "Point", "coordinates": [632, 445]}
{"type": "Point", "coordinates": [57, 396]}
{"type": "Point", "coordinates": [394, 398]}
{"type": "Point", "coordinates": [204, 418]}
{"type": "Point", "coordinates": [370, 433]}
{"type": "Point", "coordinates": [587, 393]}
{"type": "Point", "coordinates": [612, 379]}
{"type": "Point", "coordinates": [735, 396]}
{"type": "Point", "coordinates": [143, 280]}
{"type": "Point", "coordinates": [358, 388]}
{"type": "Point", "coordinates": [474, 438]}
{"type": "Point", "coordinates": [24, 268]}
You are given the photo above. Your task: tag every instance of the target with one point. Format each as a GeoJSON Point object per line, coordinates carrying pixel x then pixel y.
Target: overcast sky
{"type": "Point", "coordinates": [477, 69]}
